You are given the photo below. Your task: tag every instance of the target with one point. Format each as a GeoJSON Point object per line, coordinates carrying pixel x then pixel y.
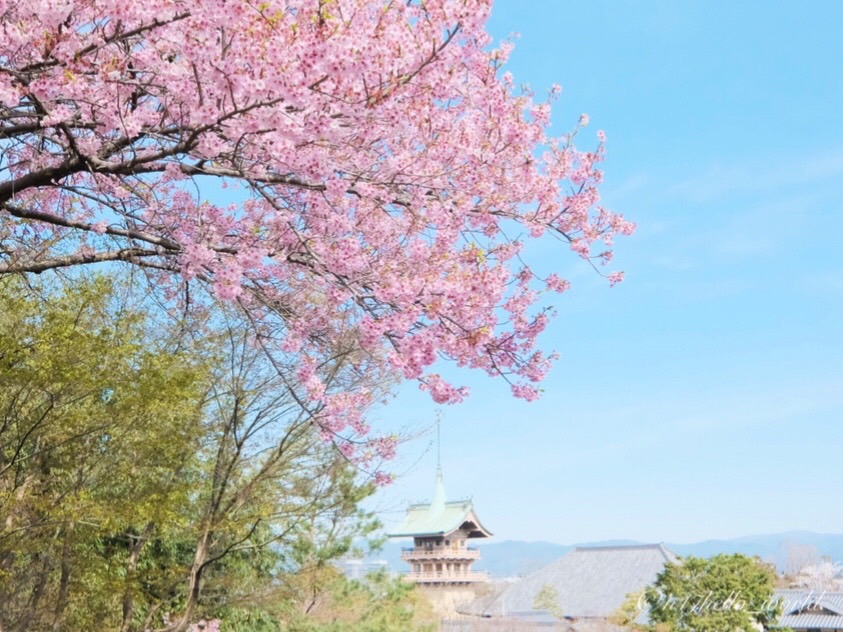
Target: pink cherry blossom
{"type": "Point", "coordinates": [556, 284]}
{"type": "Point", "coordinates": [377, 154]}
{"type": "Point", "coordinates": [383, 478]}
{"type": "Point", "coordinates": [615, 278]}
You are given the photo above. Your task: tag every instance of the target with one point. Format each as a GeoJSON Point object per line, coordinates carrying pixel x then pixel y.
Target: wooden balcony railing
{"type": "Point", "coordinates": [441, 554]}
{"type": "Point", "coordinates": [446, 577]}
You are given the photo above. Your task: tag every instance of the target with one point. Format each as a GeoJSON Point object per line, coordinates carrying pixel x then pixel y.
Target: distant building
{"type": "Point", "coordinates": [440, 554]}
{"type": "Point", "coordinates": [811, 610]}
{"type": "Point", "coordinates": [589, 584]}
{"type": "Point", "coordinates": [356, 568]}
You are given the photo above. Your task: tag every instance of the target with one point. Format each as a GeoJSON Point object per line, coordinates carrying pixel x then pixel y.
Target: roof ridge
{"type": "Point", "coordinates": [668, 553]}
{"type": "Point", "coordinates": [464, 501]}
{"type": "Point", "coordinates": [620, 547]}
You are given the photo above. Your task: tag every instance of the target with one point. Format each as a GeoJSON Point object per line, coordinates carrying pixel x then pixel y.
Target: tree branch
{"type": "Point", "coordinates": [125, 254]}
{"type": "Point", "coordinates": [56, 220]}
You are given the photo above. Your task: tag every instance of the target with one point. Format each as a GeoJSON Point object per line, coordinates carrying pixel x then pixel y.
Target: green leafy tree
{"type": "Point", "coordinates": [98, 427]}
{"type": "Point", "coordinates": [628, 611]}
{"type": "Point", "coordinates": [724, 592]}
{"type": "Point", "coordinates": [155, 473]}
{"type": "Point", "coordinates": [548, 599]}
{"type": "Point", "coordinates": [323, 600]}
{"type": "Point", "coordinates": [271, 479]}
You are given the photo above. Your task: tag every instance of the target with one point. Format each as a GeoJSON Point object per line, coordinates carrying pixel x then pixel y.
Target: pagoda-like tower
{"type": "Point", "coordinates": [440, 554]}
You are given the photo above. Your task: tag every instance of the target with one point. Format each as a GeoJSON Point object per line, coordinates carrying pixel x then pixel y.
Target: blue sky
{"type": "Point", "coordinates": [703, 397]}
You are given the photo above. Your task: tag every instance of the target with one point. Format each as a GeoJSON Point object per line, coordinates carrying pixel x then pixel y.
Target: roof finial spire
{"type": "Point", "coordinates": [438, 445]}
{"type": "Point", "coordinates": [437, 505]}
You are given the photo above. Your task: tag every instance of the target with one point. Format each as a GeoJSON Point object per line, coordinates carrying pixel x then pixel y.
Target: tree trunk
{"type": "Point", "coordinates": [38, 592]}
{"type": "Point", "coordinates": [64, 580]}
{"type": "Point", "coordinates": [131, 570]}
{"type": "Point", "coordinates": [194, 587]}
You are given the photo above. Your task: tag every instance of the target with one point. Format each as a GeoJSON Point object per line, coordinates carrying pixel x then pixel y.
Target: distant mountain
{"type": "Point", "coordinates": [513, 558]}
{"type": "Point", "coordinates": [777, 548]}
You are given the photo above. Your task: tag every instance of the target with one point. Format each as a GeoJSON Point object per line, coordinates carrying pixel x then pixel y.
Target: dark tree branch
{"type": "Point", "coordinates": [126, 254]}
{"type": "Point", "coordinates": [57, 220]}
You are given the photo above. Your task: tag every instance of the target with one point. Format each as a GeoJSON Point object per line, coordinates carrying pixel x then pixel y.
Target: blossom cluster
{"type": "Point", "coordinates": [382, 154]}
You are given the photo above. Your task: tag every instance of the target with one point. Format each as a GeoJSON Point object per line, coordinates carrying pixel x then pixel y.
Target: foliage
{"type": "Point", "coordinates": [329, 602]}
{"type": "Point", "coordinates": [375, 160]}
{"type": "Point", "coordinates": [548, 599]}
{"type": "Point", "coordinates": [149, 477]}
{"type": "Point", "coordinates": [96, 442]}
{"type": "Point", "coordinates": [724, 592]}
{"type": "Point", "coordinates": [629, 611]}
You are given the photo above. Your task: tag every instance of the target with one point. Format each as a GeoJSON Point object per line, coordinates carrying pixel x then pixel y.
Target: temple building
{"type": "Point", "coordinates": [440, 554]}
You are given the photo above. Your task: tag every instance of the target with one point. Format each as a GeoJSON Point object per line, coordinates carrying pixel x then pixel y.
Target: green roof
{"type": "Point", "coordinates": [440, 517]}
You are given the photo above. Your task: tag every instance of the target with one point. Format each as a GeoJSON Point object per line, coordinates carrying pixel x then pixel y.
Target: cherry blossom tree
{"type": "Point", "coordinates": [361, 174]}
{"type": "Point", "coordinates": [825, 575]}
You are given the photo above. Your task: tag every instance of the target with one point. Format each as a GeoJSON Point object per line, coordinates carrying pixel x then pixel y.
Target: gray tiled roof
{"type": "Point", "coordinates": [590, 581]}
{"type": "Point", "coordinates": [796, 600]}
{"type": "Point", "coordinates": [819, 621]}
